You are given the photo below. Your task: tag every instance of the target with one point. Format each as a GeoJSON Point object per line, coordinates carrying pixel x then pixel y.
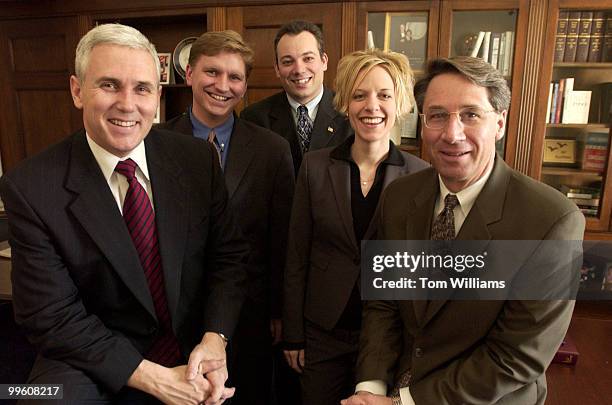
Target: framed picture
{"type": "Point", "coordinates": [407, 33]}
{"type": "Point", "coordinates": [164, 64]}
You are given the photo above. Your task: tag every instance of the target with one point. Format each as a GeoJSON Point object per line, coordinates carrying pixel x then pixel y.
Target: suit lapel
{"type": "Point", "coordinates": [324, 129]}
{"type": "Point", "coordinates": [96, 210]}
{"type": "Point", "coordinates": [340, 174]}
{"type": "Point", "coordinates": [487, 209]}
{"type": "Point", "coordinates": [239, 157]}
{"type": "Point", "coordinates": [418, 226]}
{"type": "Point", "coordinates": [281, 122]}
{"type": "Point", "coordinates": [170, 192]}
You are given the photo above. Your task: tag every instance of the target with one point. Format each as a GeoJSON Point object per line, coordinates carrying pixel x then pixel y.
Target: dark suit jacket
{"type": "Point", "coordinates": [472, 352]}
{"type": "Point", "coordinates": [78, 287]}
{"type": "Point", "coordinates": [330, 127]}
{"type": "Point", "coordinates": [323, 259]}
{"type": "Point", "coordinates": [260, 182]}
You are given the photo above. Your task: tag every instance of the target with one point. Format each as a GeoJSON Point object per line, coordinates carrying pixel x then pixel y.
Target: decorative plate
{"type": "Point", "coordinates": [180, 56]}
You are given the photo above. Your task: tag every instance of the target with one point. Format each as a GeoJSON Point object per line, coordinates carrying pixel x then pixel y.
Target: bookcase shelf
{"type": "Point", "coordinates": [570, 171]}
{"type": "Point", "coordinates": [589, 65]}
{"type": "Point", "coordinates": [583, 126]}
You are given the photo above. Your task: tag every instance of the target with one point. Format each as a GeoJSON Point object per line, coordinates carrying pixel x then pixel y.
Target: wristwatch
{"type": "Point", "coordinates": [223, 337]}
{"type": "Point", "coordinates": [396, 400]}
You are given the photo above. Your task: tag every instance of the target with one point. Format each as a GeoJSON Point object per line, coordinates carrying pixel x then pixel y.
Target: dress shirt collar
{"type": "Point", "coordinates": [107, 161]}
{"type": "Point", "coordinates": [223, 131]}
{"type": "Point", "coordinates": [312, 105]}
{"type": "Point", "coordinates": [467, 197]}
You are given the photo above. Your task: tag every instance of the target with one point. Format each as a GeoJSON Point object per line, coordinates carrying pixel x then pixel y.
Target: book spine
{"type": "Point", "coordinates": [560, 36]}
{"type": "Point", "coordinates": [606, 52]}
{"type": "Point", "coordinates": [549, 104]}
{"type": "Point", "coordinates": [478, 44]}
{"type": "Point", "coordinates": [494, 54]}
{"type": "Point", "coordinates": [571, 39]}
{"type": "Point", "coordinates": [568, 87]}
{"type": "Point", "coordinates": [554, 102]}
{"type": "Point", "coordinates": [502, 53]}
{"type": "Point", "coordinates": [597, 35]}
{"type": "Point", "coordinates": [560, 97]}
{"type": "Point", "coordinates": [486, 45]}
{"type": "Point", "coordinates": [584, 36]}
{"type": "Point", "coordinates": [509, 53]}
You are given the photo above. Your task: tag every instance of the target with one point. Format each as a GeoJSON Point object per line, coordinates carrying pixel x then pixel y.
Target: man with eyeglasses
{"type": "Point", "coordinates": [474, 352]}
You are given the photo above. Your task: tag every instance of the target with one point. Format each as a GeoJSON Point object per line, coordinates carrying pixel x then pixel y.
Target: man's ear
{"type": "Point", "coordinates": [501, 125]}
{"type": "Point", "coordinates": [75, 91]}
{"type": "Point", "coordinates": [324, 59]}
{"type": "Point", "coordinates": [188, 75]}
{"type": "Point", "coordinates": [276, 68]}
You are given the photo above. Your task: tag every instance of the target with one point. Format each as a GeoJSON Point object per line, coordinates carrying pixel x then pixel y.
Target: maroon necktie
{"type": "Point", "coordinates": [140, 220]}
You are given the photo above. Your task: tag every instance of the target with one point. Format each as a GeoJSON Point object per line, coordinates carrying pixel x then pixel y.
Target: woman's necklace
{"type": "Point", "coordinates": [365, 182]}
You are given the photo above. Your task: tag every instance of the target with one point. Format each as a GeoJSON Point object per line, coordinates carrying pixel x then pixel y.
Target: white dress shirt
{"type": "Point", "coordinates": [117, 182]}
{"type": "Point", "coordinates": [312, 106]}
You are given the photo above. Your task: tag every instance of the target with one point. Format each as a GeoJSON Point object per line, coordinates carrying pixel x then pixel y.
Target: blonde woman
{"type": "Point", "coordinates": [336, 195]}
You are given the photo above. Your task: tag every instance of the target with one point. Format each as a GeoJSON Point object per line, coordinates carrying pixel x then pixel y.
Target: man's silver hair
{"type": "Point", "coordinates": [111, 34]}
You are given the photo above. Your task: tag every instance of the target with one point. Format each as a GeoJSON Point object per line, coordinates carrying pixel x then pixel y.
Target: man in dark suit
{"type": "Point", "coordinates": [303, 113]}
{"type": "Point", "coordinates": [126, 260]}
{"type": "Point", "coordinates": [259, 176]}
{"type": "Point", "coordinates": [461, 351]}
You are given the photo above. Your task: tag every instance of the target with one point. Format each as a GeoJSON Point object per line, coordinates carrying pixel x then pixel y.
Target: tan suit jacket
{"type": "Point", "coordinates": [472, 352]}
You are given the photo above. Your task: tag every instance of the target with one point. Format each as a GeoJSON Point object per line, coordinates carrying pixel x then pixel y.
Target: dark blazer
{"type": "Point", "coordinates": [323, 259]}
{"type": "Point", "coordinates": [473, 352]}
{"type": "Point", "coordinates": [330, 127]}
{"type": "Point", "coordinates": [260, 182]}
{"type": "Point", "coordinates": [79, 290]}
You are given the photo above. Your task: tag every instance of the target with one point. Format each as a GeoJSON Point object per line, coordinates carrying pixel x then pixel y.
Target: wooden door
{"type": "Point", "coordinates": [37, 60]}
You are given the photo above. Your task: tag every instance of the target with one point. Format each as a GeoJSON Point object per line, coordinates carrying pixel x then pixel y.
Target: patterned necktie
{"type": "Point", "coordinates": [444, 226]}
{"type": "Point", "coordinates": [304, 128]}
{"type": "Point", "coordinates": [403, 381]}
{"type": "Point", "coordinates": [140, 219]}
{"type": "Point", "coordinates": [212, 138]}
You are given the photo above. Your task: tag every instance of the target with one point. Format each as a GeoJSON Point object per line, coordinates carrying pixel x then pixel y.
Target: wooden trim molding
{"type": "Point", "coordinates": [216, 19]}
{"type": "Point", "coordinates": [534, 48]}
{"type": "Point", "coordinates": [349, 28]}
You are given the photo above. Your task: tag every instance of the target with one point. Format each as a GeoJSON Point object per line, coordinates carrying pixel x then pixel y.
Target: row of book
{"type": "Point", "coordinates": [583, 36]}
{"type": "Point", "coordinates": [495, 48]}
{"type": "Point", "coordinates": [586, 198]}
{"type": "Point", "coordinates": [566, 105]}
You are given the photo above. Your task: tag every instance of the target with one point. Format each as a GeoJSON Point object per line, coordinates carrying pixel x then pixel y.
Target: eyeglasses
{"type": "Point", "coordinates": [469, 117]}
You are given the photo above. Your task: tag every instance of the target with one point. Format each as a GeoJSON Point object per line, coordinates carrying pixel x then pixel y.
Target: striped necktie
{"type": "Point", "coordinates": [140, 220]}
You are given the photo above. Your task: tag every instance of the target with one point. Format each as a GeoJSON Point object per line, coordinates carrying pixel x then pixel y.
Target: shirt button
{"type": "Point", "coordinates": [418, 352]}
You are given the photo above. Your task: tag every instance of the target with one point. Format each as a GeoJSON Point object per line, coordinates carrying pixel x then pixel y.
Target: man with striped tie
{"type": "Point", "coordinates": [128, 268]}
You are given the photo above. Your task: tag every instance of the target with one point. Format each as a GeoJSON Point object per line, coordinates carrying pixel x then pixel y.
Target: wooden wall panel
{"type": "Point", "coordinates": [41, 126]}
{"type": "Point", "coordinates": [30, 54]}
